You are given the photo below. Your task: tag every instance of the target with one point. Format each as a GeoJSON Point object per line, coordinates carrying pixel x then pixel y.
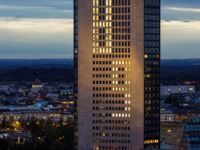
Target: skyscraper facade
{"type": "Point", "coordinates": [117, 60]}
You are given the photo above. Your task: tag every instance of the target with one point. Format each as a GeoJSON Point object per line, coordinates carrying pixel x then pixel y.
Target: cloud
{"type": "Point", "coordinates": [36, 38]}
{"type": "Point", "coordinates": [181, 3]}
{"type": "Point", "coordinates": [180, 13]}
{"type": "Point", "coordinates": [60, 4]}
{"type": "Point", "coordinates": [13, 7]}
{"type": "Point", "coordinates": [186, 26]}
{"type": "Point", "coordinates": [36, 24]}
{"type": "Point", "coordinates": [35, 11]}
{"type": "Point", "coordinates": [36, 28]}
{"type": "Point", "coordinates": [180, 39]}
{"type": "Point", "coordinates": [184, 9]}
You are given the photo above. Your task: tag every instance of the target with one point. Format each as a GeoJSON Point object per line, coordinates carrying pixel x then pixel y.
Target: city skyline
{"type": "Point", "coordinates": [99, 74]}
{"type": "Point", "coordinates": [35, 29]}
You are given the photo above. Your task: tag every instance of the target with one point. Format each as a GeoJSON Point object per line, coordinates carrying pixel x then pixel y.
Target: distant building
{"type": "Point", "coordinates": [52, 96]}
{"type": "Point", "coordinates": [171, 135]}
{"type": "Point", "coordinates": [54, 116]}
{"type": "Point", "coordinates": [176, 89]}
{"type": "Point", "coordinates": [167, 116]}
{"type": "Point", "coordinates": [19, 137]}
{"type": "Point", "coordinates": [37, 84]}
{"type": "Point", "coordinates": [173, 115]}
{"type": "Point", "coordinates": [191, 134]}
{"type": "Point", "coordinates": [2, 96]}
{"type": "Point", "coordinates": [4, 87]}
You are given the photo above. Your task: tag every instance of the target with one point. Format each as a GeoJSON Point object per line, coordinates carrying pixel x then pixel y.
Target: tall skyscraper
{"type": "Point", "coordinates": [117, 60]}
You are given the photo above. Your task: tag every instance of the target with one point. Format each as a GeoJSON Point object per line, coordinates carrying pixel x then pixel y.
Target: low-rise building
{"type": "Point", "coordinates": [191, 134]}
{"type": "Point", "coordinates": [176, 89]}
{"type": "Point", "coordinates": [38, 115]}
{"type": "Point", "coordinates": [171, 135]}
{"type": "Point", "coordinates": [167, 116]}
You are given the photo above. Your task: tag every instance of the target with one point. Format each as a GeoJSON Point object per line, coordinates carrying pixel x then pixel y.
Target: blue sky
{"type": "Point", "coordinates": [43, 29]}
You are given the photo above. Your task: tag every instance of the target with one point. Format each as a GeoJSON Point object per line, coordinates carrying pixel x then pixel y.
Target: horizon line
{"type": "Point", "coordinates": [73, 58]}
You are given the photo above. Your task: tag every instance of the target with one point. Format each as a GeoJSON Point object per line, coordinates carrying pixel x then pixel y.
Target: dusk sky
{"type": "Point", "coordinates": [44, 29]}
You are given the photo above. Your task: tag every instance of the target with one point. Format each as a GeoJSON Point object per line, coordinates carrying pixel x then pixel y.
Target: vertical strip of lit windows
{"type": "Point", "coordinates": [118, 99]}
